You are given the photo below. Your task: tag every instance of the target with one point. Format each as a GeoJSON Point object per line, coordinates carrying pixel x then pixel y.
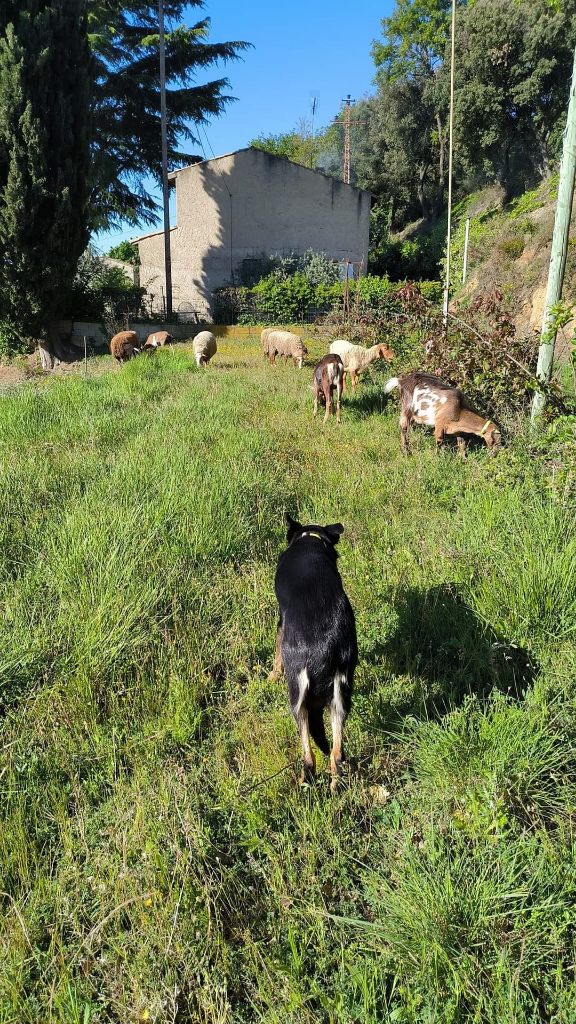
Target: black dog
{"type": "Point", "coordinates": [316, 641]}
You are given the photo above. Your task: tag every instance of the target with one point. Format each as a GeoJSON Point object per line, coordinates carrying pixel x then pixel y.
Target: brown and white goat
{"type": "Point", "coordinates": [125, 345]}
{"type": "Point", "coordinates": [328, 378]}
{"type": "Point", "coordinates": [426, 399]}
{"type": "Point", "coordinates": [158, 340]}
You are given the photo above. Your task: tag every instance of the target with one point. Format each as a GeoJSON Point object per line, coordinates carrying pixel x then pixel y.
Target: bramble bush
{"type": "Point", "coordinates": [487, 359]}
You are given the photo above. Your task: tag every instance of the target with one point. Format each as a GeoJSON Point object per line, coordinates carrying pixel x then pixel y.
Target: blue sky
{"type": "Point", "coordinates": [302, 49]}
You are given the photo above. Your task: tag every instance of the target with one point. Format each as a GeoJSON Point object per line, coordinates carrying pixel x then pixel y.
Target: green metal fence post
{"type": "Point", "coordinates": [559, 250]}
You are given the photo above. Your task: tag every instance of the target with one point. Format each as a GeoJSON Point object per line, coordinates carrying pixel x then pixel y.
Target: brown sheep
{"type": "Point", "coordinates": [428, 400]}
{"type": "Point", "coordinates": [125, 345]}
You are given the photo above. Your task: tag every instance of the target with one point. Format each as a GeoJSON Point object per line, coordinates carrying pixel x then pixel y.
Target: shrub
{"type": "Point", "coordinates": [317, 267]}
{"type": "Point", "coordinates": [511, 247]}
{"type": "Point", "coordinates": [11, 341]}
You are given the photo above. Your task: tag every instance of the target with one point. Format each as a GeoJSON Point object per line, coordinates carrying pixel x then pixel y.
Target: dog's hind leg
{"type": "Point", "coordinates": [338, 714]}
{"type": "Point", "coordinates": [300, 712]}
{"type": "Point", "coordinates": [277, 667]}
{"type": "Point", "coordinates": [309, 771]}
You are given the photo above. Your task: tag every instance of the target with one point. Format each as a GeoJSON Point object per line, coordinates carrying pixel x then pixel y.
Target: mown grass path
{"type": "Point", "coordinates": [158, 859]}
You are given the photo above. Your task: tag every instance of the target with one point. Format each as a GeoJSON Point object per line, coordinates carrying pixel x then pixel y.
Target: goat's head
{"type": "Point", "coordinates": [492, 436]}
{"type": "Point", "coordinates": [386, 353]}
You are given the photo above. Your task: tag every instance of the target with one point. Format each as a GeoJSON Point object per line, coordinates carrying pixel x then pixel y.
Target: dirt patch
{"type": "Point", "coordinates": [11, 377]}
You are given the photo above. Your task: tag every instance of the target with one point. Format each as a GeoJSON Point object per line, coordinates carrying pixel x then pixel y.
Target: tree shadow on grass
{"type": "Point", "coordinates": [441, 651]}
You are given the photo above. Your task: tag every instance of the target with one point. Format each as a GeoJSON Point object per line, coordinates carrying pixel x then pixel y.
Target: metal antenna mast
{"type": "Point", "coordinates": [165, 184]}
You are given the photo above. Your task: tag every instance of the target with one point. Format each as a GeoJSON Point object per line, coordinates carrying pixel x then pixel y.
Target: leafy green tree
{"type": "Point", "coordinates": [126, 252]}
{"type": "Point", "coordinates": [126, 140]}
{"type": "Point", "coordinates": [512, 80]}
{"type": "Point", "coordinates": [302, 146]}
{"type": "Point", "coordinates": [415, 37]}
{"type": "Point", "coordinates": [397, 157]}
{"type": "Point", "coordinates": [409, 133]}
{"type": "Point", "coordinates": [44, 155]}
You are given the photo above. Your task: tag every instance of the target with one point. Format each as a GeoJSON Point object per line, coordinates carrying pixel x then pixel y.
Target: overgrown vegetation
{"type": "Point", "coordinates": [99, 289]}
{"type": "Point", "coordinates": [158, 860]}
{"type": "Point", "coordinates": [126, 252]}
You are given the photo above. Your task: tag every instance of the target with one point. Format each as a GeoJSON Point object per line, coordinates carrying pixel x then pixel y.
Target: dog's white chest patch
{"type": "Point", "coordinates": [424, 405]}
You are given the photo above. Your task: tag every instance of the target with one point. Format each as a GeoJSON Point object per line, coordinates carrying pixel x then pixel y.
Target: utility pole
{"type": "Point", "coordinates": [347, 123]}
{"type": "Point", "coordinates": [450, 164]}
{"type": "Point", "coordinates": [559, 250]}
{"type": "Point", "coordinates": [346, 151]}
{"type": "Point", "coordinates": [165, 185]}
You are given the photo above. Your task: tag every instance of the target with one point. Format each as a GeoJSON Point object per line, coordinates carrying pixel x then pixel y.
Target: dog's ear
{"type": "Point", "coordinates": [334, 531]}
{"type": "Point", "coordinates": [293, 526]}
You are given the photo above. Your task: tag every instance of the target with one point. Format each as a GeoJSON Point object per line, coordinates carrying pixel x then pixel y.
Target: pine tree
{"type": "Point", "coordinates": [44, 155]}
{"type": "Point", "coordinates": [126, 144]}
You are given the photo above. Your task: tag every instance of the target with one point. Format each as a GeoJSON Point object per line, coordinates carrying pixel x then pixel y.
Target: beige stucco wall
{"type": "Point", "coordinates": [250, 204]}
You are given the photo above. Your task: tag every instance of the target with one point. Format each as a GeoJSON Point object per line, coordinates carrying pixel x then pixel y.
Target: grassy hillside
{"type": "Point", "coordinates": [510, 251]}
{"type": "Point", "coordinates": [159, 861]}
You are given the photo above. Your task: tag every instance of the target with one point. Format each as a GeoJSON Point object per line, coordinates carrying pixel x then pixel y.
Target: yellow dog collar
{"type": "Point", "coordinates": [485, 428]}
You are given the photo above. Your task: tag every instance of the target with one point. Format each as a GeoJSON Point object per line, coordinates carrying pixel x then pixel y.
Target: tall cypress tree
{"type": "Point", "coordinates": [126, 99]}
{"type": "Point", "coordinates": [45, 75]}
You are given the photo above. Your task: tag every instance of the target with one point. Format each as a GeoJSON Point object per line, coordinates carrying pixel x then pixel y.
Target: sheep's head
{"type": "Point", "coordinates": [301, 352]}
{"type": "Point", "coordinates": [386, 353]}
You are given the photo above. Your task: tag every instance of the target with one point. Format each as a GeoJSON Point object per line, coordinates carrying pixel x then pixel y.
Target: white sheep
{"type": "Point", "coordinates": [204, 346]}
{"type": "Point", "coordinates": [283, 343]}
{"type": "Point", "coordinates": [356, 358]}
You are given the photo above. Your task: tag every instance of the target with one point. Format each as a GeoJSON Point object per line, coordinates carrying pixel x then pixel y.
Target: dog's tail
{"type": "Point", "coordinates": [392, 383]}
{"type": "Point", "coordinates": [317, 729]}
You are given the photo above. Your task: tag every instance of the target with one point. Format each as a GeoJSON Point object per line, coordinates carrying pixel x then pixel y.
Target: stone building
{"type": "Point", "coordinates": [236, 209]}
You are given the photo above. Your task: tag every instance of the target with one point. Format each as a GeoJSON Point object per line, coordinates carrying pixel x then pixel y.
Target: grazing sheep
{"type": "Point", "coordinates": [356, 358]}
{"type": "Point", "coordinates": [204, 346]}
{"type": "Point", "coordinates": [427, 399]}
{"type": "Point", "coordinates": [328, 377]}
{"type": "Point", "coordinates": [283, 343]}
{"type": "Point", "coordinates": [158, 339]}
{"type": "Point", "coordinates": [125, 345]}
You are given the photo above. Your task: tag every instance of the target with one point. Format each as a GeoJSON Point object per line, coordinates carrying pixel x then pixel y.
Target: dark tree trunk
{"type": "Point", "coordinates": [421, 192]}
{"type": "Point", "coordinates": [53, 349]}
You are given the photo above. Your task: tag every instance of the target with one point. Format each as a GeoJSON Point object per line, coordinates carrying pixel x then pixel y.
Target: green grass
{"type": "Point", "coordinates": [158, 859]}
